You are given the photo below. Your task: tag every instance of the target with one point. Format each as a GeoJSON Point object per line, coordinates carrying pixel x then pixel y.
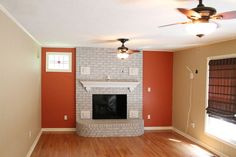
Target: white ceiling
{"type": "Point", "coordinates": [71, 23]}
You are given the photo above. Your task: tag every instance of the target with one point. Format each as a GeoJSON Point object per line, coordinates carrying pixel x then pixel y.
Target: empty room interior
{"type": "Point", "coordinates": [118, 78]}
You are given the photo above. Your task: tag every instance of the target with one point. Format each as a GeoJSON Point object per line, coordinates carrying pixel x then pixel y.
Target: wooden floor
{"type": "Point", "coordinates": [151, 144]}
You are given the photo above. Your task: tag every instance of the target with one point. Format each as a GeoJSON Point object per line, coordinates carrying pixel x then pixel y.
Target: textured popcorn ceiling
{"type": "Point", "coordinates": [81, 22]}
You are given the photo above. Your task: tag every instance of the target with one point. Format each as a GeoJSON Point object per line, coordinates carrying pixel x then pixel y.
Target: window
{"type": "Point", "coordinates": [221, 109]}
{"type": "Point", "coordinates": [58, 62]}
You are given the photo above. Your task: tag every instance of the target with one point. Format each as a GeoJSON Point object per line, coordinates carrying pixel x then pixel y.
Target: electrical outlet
{"type": "Point", "coordinates": [149, 116]}
{"type": "Point", "coordinates": [149, 89]}
{"type": "Point", "coordinates": [65, 117]}
{"type": "Point", "coordinates": [193, 125]}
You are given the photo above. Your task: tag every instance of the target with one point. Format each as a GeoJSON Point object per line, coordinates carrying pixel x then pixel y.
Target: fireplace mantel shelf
{"type": "Point", "coordinates": [131, 85]}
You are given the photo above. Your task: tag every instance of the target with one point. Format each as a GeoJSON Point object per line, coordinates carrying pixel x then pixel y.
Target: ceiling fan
{"type": "Point", "coordinates": [123, 52]}
{"type": "Point", "coordinates": [202, 19]}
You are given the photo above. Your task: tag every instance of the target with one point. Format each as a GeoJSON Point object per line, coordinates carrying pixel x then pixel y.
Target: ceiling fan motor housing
{"type": "Point", "coordinates": [205, 12]}
{"type": "Point", "coordinates": [122, 48]}
{"type": "Point", "coordinates": [123, 40]}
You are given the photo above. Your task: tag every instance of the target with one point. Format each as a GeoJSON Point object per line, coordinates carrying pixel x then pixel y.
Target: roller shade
{"type": "Point", "coordinates": [222, 89]}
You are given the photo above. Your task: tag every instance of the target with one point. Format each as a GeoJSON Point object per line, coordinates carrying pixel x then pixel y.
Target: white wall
{"type": "Point", "coordinates": [19, 89]}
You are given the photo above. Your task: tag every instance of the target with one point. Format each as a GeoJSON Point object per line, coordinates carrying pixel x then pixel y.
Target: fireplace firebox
{"type": "Point", "coordinates": [109, 106]}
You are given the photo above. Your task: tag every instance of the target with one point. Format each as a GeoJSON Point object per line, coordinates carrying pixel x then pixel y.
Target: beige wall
{"type": "Point", "coordinates": [196, 59]}
{"type": "Point", "coordinates": [19, 89]}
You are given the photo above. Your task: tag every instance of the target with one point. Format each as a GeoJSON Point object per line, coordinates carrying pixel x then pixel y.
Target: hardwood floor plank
{"type": "Point", "coordinates": [151, 144]}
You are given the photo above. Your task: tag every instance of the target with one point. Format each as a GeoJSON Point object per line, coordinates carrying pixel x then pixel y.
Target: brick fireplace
{"type": "Point", "coordinates": [101, 64]}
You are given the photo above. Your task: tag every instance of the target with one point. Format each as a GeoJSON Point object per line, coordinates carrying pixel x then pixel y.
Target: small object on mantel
{"type": "Point", "coordinates": [108, 77]}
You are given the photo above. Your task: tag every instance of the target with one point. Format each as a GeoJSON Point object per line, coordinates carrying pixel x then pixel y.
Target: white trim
{"type": "Point", "coordinates": [233, 55]}
{"type": "Point", "coordinates": [206, 98]}
{"type": "Point", "coordinates": [158, 128]}
{"type": "Point", "coordinates": [58, 45]}
{"type": "Point", "coordinates": [199, 143]}
{"type": "Point", "coordinates": [58, 129]}
{"type": "Point", "coordinates": [34, 144]}
{"type": "Point", "coordinates": [88, 85]}
{"type": "Point", "coordinates": [220, 140]}
{"type": "Point", "coordinates": [6, 12]}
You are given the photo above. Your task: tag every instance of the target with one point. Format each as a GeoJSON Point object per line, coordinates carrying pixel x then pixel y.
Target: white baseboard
{"type": "Point", "coordinates": [34, 144]}
{"type": "Point", "coordinates": [58, 129]}
{"type": "Point", "coordinates": [159, 128]}
{"type": "Point", "coordinates": [200, 143]}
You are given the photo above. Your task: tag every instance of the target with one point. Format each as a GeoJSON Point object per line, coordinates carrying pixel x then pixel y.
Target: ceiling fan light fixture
{"type": "Point", "coordinates": [201, 29]}
{"type": "Point", "coordinates": [122, 49]}
{"type": "Point", "coordinates": [122, 55]}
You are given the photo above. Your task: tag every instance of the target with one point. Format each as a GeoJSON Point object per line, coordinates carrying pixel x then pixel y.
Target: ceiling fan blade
{"type": "Point", "coordinates": [189, 13]}
{"type": "Point", "coordinates": [133, 51]}
{"type": "Point", "coordinates": [225, 15]}
{"type": "Point", "coordinates": [103, 41]}
{"type": "Point", "coordinates": [177, 23]}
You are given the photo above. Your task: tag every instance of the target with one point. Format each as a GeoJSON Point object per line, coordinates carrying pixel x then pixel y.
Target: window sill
{"type": "Point", "coordinates": [221, 131]}
{"type": "Point", "coordinates": [229, 143]}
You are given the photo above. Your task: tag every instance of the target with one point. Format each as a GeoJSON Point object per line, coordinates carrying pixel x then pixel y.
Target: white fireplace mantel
{"type": "Point", "coordinates": [89, 84]}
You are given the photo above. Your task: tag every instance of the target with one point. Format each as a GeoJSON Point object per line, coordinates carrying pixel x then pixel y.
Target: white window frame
{"type": "Point", "coordinates": [59, 53]}
{"type": "Point", "coordinates": [207, 118]}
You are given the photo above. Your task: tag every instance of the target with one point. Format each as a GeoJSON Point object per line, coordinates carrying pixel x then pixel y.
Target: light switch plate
{"type": "Point", "coordinates": [133, 71]}
{"type": "Point", "coordinates": [133, 114]}
{"type": "Point", "coordinates": [85, 115]}
{"type": "Point", "coordinates": [85, 70]}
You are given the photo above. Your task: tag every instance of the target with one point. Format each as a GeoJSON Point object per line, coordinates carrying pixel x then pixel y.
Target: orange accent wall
{"type": "Point", "coordinates": [58, 93]}
{"type": "Point", "coordinates": [157, 74]}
